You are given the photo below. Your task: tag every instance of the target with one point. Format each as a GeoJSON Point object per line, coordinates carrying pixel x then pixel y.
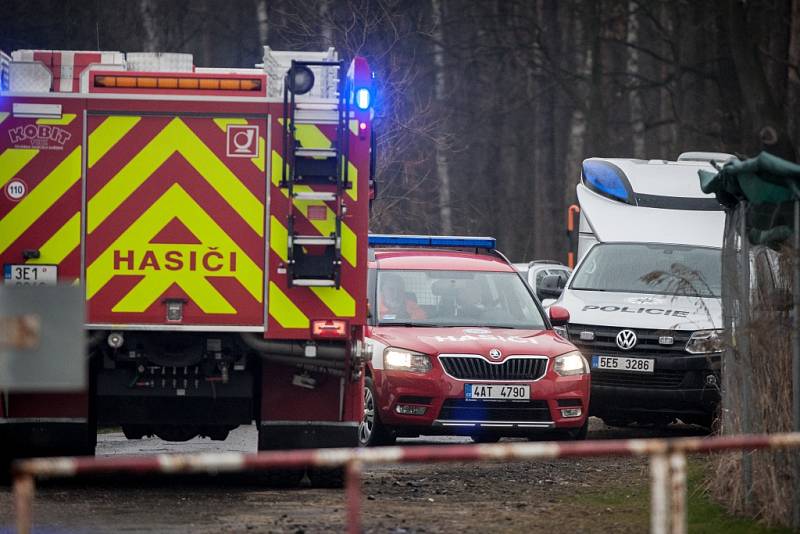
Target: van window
{"type": "Point", "coordinates": [651, 268]}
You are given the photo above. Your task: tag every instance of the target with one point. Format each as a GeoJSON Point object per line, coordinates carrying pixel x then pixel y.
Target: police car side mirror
{"type": "Point", "coordinates": [558, 316]}
{"type": "Point", "coordinates": [550, 287]}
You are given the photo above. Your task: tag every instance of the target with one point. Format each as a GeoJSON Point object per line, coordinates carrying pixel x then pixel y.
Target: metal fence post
{"type": "Point", "coordinates": [23, 502]}
{"type": "Point", "coordinates": [353, 496]}
{"type": "Point", "coordinates": [743, 344]}
{"type": "Point", "coordinates": [677, 475]}
{"type": "Point", "coordinates": [659, 494]}
{"type": "Point", "coordinates": [796, 362]}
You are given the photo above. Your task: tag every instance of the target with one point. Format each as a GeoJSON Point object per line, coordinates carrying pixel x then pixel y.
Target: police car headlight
{"type": "Point", "coordinates": [406, 360]}
{"type": "Point", "coordinates": [571, 364]}
{"type": "Point", "coordinates": [705, 342]}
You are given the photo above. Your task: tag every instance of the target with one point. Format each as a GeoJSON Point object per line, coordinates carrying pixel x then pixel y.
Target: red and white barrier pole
{"type": "Point", "coordinates": [668, 465]}
{"type": "Point", "coordinates": [353, 496]}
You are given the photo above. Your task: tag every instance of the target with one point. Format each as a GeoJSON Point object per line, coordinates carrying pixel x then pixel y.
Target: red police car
{"type": "Point", "coordinates": [461, 346]}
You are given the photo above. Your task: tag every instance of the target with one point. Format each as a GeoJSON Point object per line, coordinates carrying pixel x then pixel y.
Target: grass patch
{"type": "Point", "coordinates": [626, 501]}
{"type": "Point", "coordinates": [706, 516]}
{"type": "Point", "coordinates": [108, 429]}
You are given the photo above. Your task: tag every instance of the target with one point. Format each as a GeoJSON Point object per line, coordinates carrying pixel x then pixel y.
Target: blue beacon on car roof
{"type": "Point", "coordinates": [432, 241]}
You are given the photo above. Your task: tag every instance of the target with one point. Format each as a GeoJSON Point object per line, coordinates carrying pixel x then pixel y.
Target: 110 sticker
{"type": "Point", "coordinates": [16, 189]}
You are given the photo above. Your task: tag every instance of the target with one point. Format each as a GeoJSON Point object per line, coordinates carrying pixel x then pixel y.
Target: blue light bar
{"type": "Point", "coordinates": [439, 241]}
{"type": "Point", "coordinates": [608, 180]}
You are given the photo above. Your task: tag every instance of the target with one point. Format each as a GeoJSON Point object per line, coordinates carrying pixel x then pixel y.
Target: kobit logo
{"type": "Point", "coordinates": [38, 135]}
{"type": "Point", "coordinates": [626, 339]}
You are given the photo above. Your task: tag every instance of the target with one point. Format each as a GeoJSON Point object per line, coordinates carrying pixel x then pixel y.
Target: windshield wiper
{"type": "Point", "coordinates": [589, 289]}
{"type": "Point", "coordinates": [427, 325]}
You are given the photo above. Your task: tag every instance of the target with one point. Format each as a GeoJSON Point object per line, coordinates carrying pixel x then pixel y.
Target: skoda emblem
{"type": "Point", "coordinates": [495, 354]}
{"type": "Point", "coordinates": [626, 339]}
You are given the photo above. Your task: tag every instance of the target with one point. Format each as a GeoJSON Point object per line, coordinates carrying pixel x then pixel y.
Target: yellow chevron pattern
{"type": "Point", "coordinates": [176, 137]}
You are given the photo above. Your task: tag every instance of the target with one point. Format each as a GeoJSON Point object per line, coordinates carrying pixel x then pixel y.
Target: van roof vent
{"type": "Point", "coordinates": [706, 156]}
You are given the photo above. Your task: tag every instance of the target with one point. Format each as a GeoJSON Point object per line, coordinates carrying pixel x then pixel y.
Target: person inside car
{"type": "Point", "coordinates": [468, 301]}
{"type": "Point", "coordinates": [395, 302]}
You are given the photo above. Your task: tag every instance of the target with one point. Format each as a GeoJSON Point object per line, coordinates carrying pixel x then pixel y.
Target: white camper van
{"type": "Point", "coordinates": [644, 299]}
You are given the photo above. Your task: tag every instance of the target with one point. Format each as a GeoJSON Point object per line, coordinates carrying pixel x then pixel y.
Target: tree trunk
{"type": "Point", "coordinates": [440, 93]}
{"type": "Point", "coordinates": [793, 83]}
{"type": "Point", "coordinates": [634, 97]}
{"type": "Point", "coordinates": [769, 126]}
{"type": "Point", "coordinates": [151, 37]}
{"type": "Point", "coordinates": [262, 21]}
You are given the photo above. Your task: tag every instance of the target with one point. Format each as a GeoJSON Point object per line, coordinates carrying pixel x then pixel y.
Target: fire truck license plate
{"type": "Point", "coordinates": [635, 365]}
{"type": "Point", "coordinates": [30, 275]}
{"type": "Point", "coordinates": [497, 391]}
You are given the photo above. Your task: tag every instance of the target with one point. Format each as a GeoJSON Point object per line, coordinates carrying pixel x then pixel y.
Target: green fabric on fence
{"type": "Point", "coordinates": [768, 183]}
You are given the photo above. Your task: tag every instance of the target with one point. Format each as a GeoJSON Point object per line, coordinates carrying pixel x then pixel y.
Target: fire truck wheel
{"type": "Point", "coordinates": [326, 477]}
{"type": "Point", "coordinates": [283, 478]}
{"type": "Point", "coordinates": [485, 438]}
{"type": "Point", "coordinates": [134, 431]}
{"type": "Point", "coordinates": [5, 470]}
{"type": "Point", "coordinates": [371, 432]}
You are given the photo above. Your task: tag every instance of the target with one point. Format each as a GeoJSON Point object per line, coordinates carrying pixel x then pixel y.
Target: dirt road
{"type": "Point", "coordinates": [516, 497]}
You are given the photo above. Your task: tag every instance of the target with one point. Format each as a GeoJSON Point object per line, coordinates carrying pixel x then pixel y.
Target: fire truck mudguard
{"type": "Point", "coordinates": [217, 220]}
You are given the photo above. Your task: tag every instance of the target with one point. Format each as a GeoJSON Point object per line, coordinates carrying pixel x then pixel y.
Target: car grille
{"type": "Point", "coordinates": [660, 379]}
{"type": "Point", "coordinates": [464, 410]}
{"type": "Point", "coordinates": [605, 341]}
{"type": "Point", "coordinates": [477, 368]}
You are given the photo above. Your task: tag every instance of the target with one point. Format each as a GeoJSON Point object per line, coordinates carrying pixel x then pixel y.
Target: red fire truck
{"type": "Point", "coordinates": [217, 219]}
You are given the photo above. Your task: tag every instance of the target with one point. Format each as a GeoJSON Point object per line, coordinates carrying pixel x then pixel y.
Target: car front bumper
{"type": "Point", "coordinates": [445, 410]}
{"type": "Point", "coordinates": [684, 387]}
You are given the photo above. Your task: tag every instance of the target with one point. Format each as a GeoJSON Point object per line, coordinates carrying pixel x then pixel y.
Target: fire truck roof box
{"type": "Point", "coordinates": [655, 201]}
{"type": "Point", "coordinates": [277, 63]}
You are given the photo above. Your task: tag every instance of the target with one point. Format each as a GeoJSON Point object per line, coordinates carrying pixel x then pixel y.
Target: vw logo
{"type": "Point", "coordinates": [495, 354]}
{"type": "Point", "coordinates": [626, 339]}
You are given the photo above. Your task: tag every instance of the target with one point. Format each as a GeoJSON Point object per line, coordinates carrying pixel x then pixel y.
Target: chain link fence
{"type": "Point", "coordinates": [756, 372]}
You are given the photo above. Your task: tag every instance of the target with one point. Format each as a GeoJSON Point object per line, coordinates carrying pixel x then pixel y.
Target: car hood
{"type": "Point", "coordinates": [463, 340]}
{"type": "Point", "coordinates": [637, 310]}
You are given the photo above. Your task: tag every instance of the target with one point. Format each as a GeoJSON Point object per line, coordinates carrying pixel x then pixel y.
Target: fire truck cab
{"type": "Point", "coordinates": [217, 220]}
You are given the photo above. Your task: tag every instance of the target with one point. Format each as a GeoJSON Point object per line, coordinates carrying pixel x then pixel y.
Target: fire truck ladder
{"type": "Point", "coordinates": [316, 260]}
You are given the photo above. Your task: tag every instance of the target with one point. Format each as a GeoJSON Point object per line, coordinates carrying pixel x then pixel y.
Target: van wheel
{"type": "Point", "coordinates": [371, 432]}
{"type": "Point", "coordinates": [578, 434]}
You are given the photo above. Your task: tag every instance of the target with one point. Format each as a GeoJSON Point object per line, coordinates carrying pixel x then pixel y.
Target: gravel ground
{"type": "Point", "coordinates": [487, 497]}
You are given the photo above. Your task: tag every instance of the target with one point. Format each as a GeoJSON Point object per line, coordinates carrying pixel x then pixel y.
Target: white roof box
{"type": "Point", "coordinates": [719, 157]}
{"type": "Point", "coordinates": [277, 64]}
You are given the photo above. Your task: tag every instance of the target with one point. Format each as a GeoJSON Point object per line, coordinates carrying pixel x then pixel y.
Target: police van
{"type": "Point", "coordinates": [645, 297]}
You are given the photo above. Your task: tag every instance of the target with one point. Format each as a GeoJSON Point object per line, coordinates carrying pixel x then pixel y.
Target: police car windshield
{"type": "Point", "coordinates": [651, 268]}
{"type": "Point", "coordinates": [455, 298]}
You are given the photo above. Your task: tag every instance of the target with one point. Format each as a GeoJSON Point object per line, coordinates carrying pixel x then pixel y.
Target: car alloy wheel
{"type": "Point", "coordinates": [367, 426]}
